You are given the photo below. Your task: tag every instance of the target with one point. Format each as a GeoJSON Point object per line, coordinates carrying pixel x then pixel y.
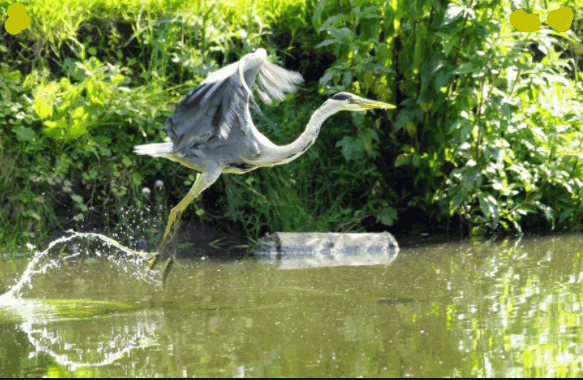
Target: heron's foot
{"type": "Point", "coordinates": [154, 260]}
{"type": "Point", "coordinates": [167, 268]}
{"type": "Point", "coordinates": [170, 261]}
{"type": "Point", "coordinates": [161, 250]}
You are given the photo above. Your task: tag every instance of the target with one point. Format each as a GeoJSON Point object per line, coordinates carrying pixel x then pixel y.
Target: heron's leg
{"type": "Point", "coordinates": [203, 181]}
{"type": "Point", "coordinates": [170, 261]}
{"type": "Point", "coordinates": [173, 219]}
{"type": "Point", "coordinates": [176, 212]}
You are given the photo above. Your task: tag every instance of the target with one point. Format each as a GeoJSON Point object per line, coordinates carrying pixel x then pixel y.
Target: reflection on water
{"type": "Point", "coordinates": [458, 309]}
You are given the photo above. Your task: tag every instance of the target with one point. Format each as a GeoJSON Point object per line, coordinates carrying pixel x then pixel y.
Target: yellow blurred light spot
{"type": "Point", "coordinates": [560, 19]}
{"type": "Point", "coordinates": [524, 22]}
{"type": "Point", "coordinates": [17, 20]}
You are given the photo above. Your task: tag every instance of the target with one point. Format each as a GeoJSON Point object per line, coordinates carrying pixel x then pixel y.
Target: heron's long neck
{"type": "Point", "coordinates": [292, 151]}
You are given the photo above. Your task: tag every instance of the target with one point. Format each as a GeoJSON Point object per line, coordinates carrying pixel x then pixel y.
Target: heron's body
{"type": "Point", "coordinates": [212, 131]}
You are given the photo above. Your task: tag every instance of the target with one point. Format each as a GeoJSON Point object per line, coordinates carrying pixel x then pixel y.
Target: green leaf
{"type": "Point", "coordinates": [75, 69]}
{"type": "Point", "coordinates": [324, 43]}
{"type": "Point", "coordinates": [42, 108]}
{"type": "Point", "coordinates": [384, 69]}
{"type": "Point", "coordinates": [416, 160]}
{"type": "Point", "coordinates": [351, 147]}
{"type": "Point", "coordinates": [55, 129]}
{"type": "Point", "coordinates": [442, 78]}
{"type": "Point", "coordinates": [343, 34]}
{"type": "Point", "coordinates": [25, 134]}
{"type": "Point", "coordinates": [405, 116]}
{"type": "Point", "coordinates": [77, 129]}
{"type": "Point", "coordinates": [79, 113]}
{"type": "Point", "coordinates": [403, 159]}
{"type": "Point", "coordinates": [466, 129]}
{"type": "Point", "coordinates": [118, 78]}
{"type": "Point", "coordinates": [387, 216]}
{"type": "Point", "coordinates": [372, 11]}
{"type": "Point", "coordinates": [565, 214]}
{"type": "Point", "coordinates": [136, 179]}
{"type": "Point", "coordinates": [77, 198]}
{"type": "Point", "coordinates": [465, 68]}
{"type": "Point", "coordinates": [337, 19]}
{"type": "Point", "coordinates": [317, 17]}
{"type": "Point", "coordinates": [13, 76]}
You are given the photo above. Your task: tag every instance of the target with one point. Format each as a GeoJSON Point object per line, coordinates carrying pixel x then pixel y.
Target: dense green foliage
{"type": "Point", "coordinates": [485, 129]}
{"type": "Point", "coordinates": [485, 132]}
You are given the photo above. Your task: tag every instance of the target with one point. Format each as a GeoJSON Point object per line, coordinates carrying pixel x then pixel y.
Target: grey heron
{"type": "Point", "coordinates": [212, 131]}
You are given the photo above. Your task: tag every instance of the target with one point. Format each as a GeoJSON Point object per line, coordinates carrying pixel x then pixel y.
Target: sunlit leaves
{"type": "Point", "coordinates": [65, 112]}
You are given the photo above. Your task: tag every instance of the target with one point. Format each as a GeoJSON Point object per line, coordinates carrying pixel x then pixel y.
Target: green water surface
{"type": "Point", "coordinates": [511, 308]}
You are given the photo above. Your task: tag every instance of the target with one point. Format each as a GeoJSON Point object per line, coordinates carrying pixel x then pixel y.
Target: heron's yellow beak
{"type": "Point", "coordinates": [374, 104]}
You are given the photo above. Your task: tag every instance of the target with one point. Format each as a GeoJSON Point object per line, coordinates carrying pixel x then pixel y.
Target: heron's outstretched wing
{"type": "Point", "coordinates": [220, 102]}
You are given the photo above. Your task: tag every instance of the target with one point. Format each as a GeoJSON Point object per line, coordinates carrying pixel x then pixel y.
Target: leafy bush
{"type": "Point", "coordinates": [474, 126]}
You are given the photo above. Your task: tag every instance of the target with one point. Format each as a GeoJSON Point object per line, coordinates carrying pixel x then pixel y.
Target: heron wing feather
{"type": "Point", "coordinates": [221, 101]}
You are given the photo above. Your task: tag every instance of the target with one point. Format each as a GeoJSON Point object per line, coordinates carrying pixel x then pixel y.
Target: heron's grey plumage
{"type": "Point", "coordinates": [220, 103]}
{"type": "Point", "coordinates": [212, 131]}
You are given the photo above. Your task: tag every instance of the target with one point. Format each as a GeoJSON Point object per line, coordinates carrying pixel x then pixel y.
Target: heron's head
{"type": "Point", "coordinates": [350, 102]}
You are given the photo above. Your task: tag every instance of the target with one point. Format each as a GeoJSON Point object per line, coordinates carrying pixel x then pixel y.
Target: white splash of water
{"type": "Point", "coordinates": [14, 293]}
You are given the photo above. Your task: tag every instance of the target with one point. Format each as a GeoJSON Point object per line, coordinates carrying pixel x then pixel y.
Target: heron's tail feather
{"type": "Point", "coordinates": [155, 150]}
